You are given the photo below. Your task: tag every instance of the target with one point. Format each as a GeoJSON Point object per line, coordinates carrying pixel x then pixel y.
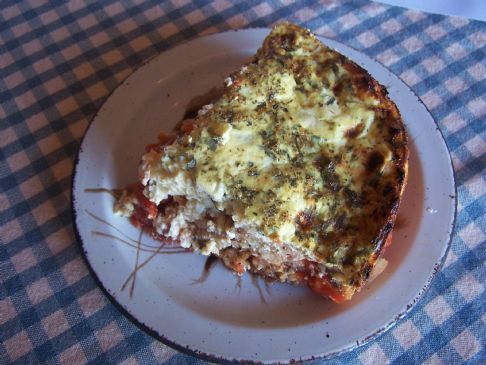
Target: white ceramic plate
{"type": "Point", "coordinates": [219, 319]}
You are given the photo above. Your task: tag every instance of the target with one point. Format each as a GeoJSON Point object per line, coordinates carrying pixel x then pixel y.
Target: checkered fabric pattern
{"type": "Point", "coordinates": [58, 63]}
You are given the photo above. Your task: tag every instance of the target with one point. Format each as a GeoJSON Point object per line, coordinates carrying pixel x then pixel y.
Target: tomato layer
{"type": "Point", "coordinates": [319, 285]}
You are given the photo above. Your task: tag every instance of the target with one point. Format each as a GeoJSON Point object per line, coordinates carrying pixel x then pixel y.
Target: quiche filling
{"type": "Point", "coordinates": [295, 172]}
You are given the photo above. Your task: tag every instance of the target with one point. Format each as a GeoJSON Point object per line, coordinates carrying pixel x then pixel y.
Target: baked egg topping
{"type": "Point", "coordinates": [297, 147]}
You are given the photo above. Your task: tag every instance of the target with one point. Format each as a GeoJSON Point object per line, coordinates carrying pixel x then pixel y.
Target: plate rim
{"type": "Point", "coordinates": [409, 307]}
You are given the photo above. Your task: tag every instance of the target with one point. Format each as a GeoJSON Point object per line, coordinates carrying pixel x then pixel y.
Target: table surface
{"type": "Point", "coordinates": [59, 62]}
{"type": "Point", "coordinates": [472, 9]}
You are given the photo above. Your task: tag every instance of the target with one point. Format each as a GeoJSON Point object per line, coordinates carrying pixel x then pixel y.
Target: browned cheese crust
{"type": "Point", "coordinates": [303, 149]}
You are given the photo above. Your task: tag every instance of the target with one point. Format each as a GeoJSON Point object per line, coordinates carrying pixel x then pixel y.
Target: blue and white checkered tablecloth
{"type": "Point", "coordinates": [58, 63]}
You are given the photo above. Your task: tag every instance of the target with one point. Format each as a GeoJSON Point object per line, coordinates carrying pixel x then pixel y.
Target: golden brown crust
{"type": "Point", "coordinates": [303, 147]}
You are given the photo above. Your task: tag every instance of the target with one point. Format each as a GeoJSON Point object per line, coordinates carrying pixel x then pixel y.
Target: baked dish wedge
{"type": "Point", "coordinates": [295, 172]}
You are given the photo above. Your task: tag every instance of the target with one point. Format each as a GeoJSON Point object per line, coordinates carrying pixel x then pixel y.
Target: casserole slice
{"type": "Point", "coordinates": [295, 172]}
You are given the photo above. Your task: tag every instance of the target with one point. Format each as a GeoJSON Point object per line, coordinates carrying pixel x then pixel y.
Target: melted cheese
{"type": "Point", "coordinates": [287, 151]}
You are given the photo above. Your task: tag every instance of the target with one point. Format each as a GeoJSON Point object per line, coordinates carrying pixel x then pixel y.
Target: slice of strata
{"type": "Point", "coordinates": [295, 172]}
